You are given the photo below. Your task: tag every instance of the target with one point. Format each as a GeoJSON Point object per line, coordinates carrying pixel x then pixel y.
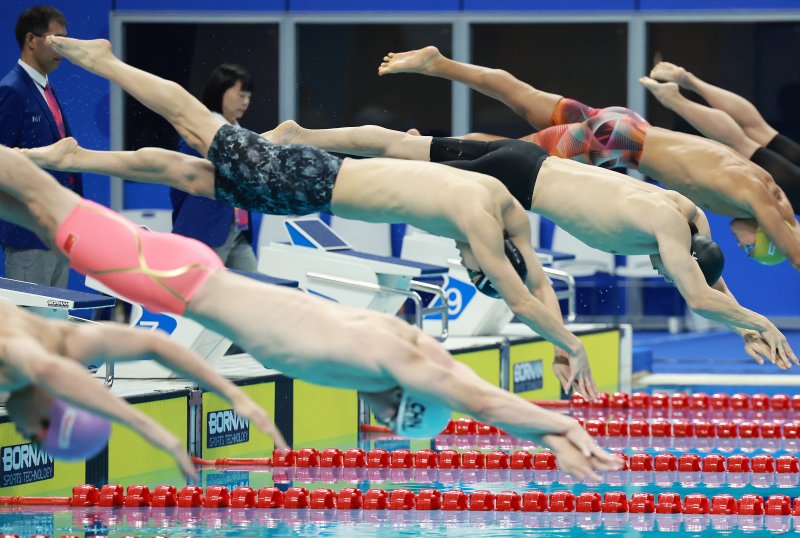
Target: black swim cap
{"type": "Point", "coordinates": [482, 282]}
{"type": "Point", "coordinates": [709, 257]}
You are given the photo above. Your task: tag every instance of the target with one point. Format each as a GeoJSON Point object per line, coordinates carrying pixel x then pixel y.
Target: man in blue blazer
{"type": "Point", "coordinates": [31, 116]}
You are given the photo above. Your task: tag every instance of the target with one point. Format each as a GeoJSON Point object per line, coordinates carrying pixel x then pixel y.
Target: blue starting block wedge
{"type": "Point", "coordinates": [50, 301]}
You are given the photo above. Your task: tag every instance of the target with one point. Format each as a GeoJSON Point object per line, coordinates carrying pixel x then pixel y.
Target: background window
{"type": "Point", "coordinates": [753, 60]}
{"type": "Point", "coordinates": [194, 51]}
{"type": "Point", "coordinates": [587, 62]}
{"type": "Point", "coordinates": [339, 86]}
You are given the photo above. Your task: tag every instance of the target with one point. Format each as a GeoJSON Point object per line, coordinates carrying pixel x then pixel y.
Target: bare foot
{"type": "Point", "coordinates": [83, 53]}
{"type": "Point", "coordinates": [668, 72]}
{"type": "Point", "coordinates": [665, 92]}
{"type": "Point", "coordinates": [414, 61]}
{"type": "Point", "coordinates": [55, 156]}
{"type": "Point", "coordinates": [288, 132]}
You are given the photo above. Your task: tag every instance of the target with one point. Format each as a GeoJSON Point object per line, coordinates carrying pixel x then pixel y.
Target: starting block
{"type": "Point", "coordinates": [48, 301]}
{"type": "Point", "coordinates": [205, 342]}
{"type": "Point", "coordinates": [324, 264]}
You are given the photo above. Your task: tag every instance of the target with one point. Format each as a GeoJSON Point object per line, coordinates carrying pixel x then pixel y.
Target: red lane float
{"type": "Point", "coordinates": [350, 498]}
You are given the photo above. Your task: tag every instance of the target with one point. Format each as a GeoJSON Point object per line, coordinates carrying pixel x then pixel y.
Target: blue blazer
{"type": "Point", "coordinates": [201, 218]}
{"type": "Point", "coordinates": [26, 122]}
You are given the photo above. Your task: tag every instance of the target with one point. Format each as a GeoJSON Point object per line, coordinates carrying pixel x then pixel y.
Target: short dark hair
{"type": "Point", "coordinates": [37, 20]}
{"type": "Point", "coordinates": [222, 78]}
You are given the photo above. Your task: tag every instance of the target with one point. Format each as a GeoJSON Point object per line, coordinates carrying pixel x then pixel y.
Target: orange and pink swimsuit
{"type": "Point", "coordinates": [160, 271]}
{"type": "Point", "coordinates": [608, 137]}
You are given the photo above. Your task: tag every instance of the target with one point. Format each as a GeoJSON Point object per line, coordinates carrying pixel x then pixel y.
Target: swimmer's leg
{"type": "Point", "coordinates": [12, 210]}
{"type": "Point", "coordinates": [740, 109]}
{"type": "Point", "coordinates": [366, 141]}
{"type": "Point", "coordinates": [147, 165]}
{"type": "Point", "coordinates": [193, 121]}
{"type": "Point", "coordinates": [480, 137]}
{"type": "Point", "coordinates": [526, 101]}
{"type": "Point", "coordinates": [42, 203]}
{"type": "Point", "coordinates": [713, 123]}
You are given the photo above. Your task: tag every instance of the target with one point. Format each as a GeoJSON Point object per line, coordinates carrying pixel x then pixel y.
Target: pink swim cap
{"type": "Point", "coordinates": [75, 434]}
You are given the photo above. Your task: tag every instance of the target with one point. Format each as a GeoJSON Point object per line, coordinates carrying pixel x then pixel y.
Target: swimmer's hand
{"type": "Point", "coordinates": [247, 408]}
{"type": "Point", "coordinates": [574, 372]}
{"type": "Point", "coordinates": [579, 455]}
{"type": "Point", "coordinates": [164, 439]}
{"type": "Point", "coordinates": [178, 451]}
{"type": "Point", "coordinates": [770, 344]}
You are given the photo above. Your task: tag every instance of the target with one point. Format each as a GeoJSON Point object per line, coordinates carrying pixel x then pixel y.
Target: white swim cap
{"type": "Point", "coordinates": [419, 417]}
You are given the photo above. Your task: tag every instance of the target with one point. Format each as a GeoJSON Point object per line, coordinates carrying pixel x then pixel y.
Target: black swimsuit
{"type": "Point", "coordinates": [785, 172]}
{"type": "Point", "coordinates": [254, 174]}
{"type": "Point", "coordinates": [513, 162]}
{"type": "Point", "coordinates": [786, 147]}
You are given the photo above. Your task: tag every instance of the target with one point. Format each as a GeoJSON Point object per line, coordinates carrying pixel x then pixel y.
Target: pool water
{"type": "Point", "coordinates": [356, 523]}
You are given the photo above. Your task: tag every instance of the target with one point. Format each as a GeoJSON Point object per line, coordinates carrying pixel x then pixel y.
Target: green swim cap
{"type": "Point", "coordinates": [764, 250]}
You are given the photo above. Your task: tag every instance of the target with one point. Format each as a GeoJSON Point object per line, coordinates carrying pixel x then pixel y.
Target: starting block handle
{"type": "Point", "coordinates": [414, 296]}
{"type": "Point", "coordinates": [569, 280]}
{"type": "Point", "coordinates": [442, 309]}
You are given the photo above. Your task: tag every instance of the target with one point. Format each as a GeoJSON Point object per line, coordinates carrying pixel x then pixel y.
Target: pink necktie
{"type": "Point", "coordinates": [54, 108]}
{"type": "Point", "coordinates": [50, 97]}
{"type": "Point", "coordinates": [241, 218]}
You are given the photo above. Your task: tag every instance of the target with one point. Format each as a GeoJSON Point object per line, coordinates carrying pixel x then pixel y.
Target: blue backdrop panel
{"type": "Point", "coordinates": [201, 5]}
{"type": "Point", "coordinates": [771, 291]}
{"type": "Point", "coordinates": [374, 5]}
{"type": "Point", "coordinates": [549, 5]}
{"type": "Point", "coordinates": [146, 196]}
{"type": "Point", "coordinates": [717, 4]}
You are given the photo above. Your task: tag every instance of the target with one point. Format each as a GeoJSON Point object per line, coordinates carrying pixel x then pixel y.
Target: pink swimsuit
{"type": "Point", "coordinates": [160, 271]}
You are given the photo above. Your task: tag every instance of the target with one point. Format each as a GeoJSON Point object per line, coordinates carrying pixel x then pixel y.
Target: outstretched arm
{"type": "Point", "coordinates": [526, 101]}
{"type": "Point", "coordinates": [116, 343]}
{"type": "Point", "coordinates": [754, 344]}
{"type": "Point", "coordinates": [709, 302]}
{"type": "Point", "coordinates": [64, 379]}
{"type": "Point", "coordinates": [572, 370]}
{"type": "Point", "coordinates": [147, 165]}
{"type": "Point", "coordinates": [485, 238]}
{"type": "Point", "coordinates": [740, 109]}
{"type": "Point", "coordinates": [459, 388]}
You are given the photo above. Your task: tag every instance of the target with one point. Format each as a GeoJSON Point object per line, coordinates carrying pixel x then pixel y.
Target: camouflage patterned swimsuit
{"type": "Point", "coordinates": [254, 174]}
